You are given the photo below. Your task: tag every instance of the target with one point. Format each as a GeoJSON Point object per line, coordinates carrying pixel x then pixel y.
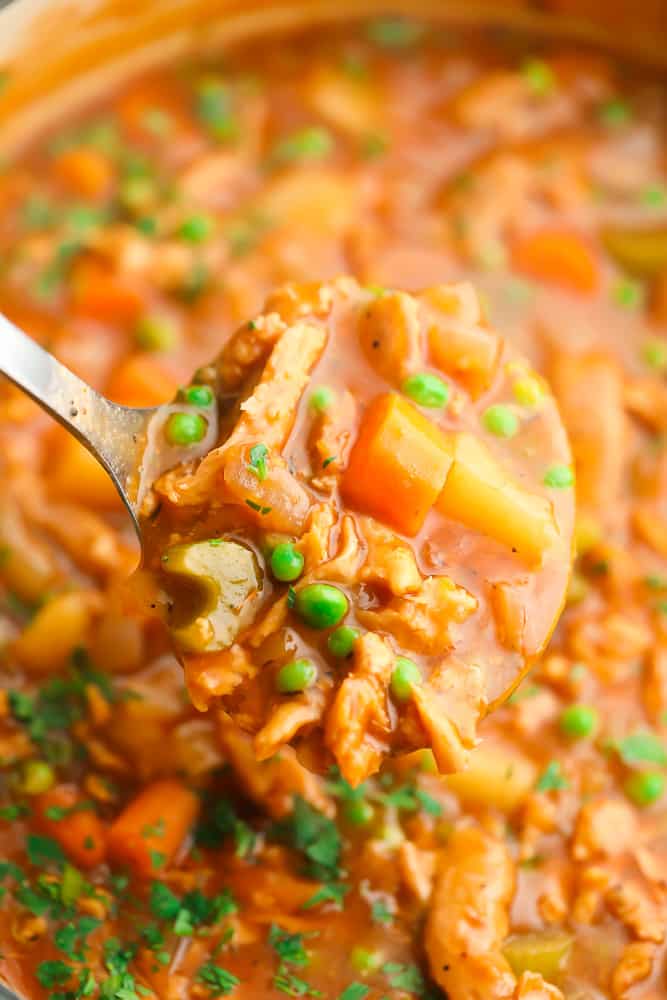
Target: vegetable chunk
{"type": "Point", "coordinates": [398, 464]}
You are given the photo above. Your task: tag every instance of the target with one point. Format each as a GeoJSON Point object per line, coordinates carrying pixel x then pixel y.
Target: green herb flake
{"type": "Point", "coordinates": [641, 747]}
{"type": "Point", "coordinates": [43, 850]}
{"type": "Point", "coordinates": [355, 991]}
{"type": "Point", "coordinates": [552, 778]}
{"type": "Point", "coordinates": [315, 836]}
{"type": "Point", "coordinates": [220, 981]}
{"type": "Point", "coordinates": [404, 977]}
{"type": "Point", "coordinates": [539, 77]}
{"type": "Point", "coordinates": [258, 463]}
{"type": "Point", "coordinates": [288, 947]}
{"type": "Point", "coordinates": [330, 892]}
{"type": "Point", "coordinates": [311, 143]}
{"type": "Point", "coordinates": [258, 507]}
{"type": "Point", "coordinates": [394, 32]}
{"type": "Point", "coordinates": [614, 113]}
{"type": "Point", "coordinates": [380, 912]}
{"type": "Point", "coordinates": [53, 973]}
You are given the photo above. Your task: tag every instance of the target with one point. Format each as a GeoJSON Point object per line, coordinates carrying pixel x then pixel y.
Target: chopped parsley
{"type": "Point", "coordinates": [311, 143]}
{"type": "Point", "coordinates": [315, 836]}
{"type": "Point", "coordinates": [394, 32]}
{"type": "Point", "coordinates": [355, 991]}
{"type": "Point", "coordinates": [52, 973]}
{"type": "Point", "coordinates": [43, 851]}
{"type": "Point", "coordinates": [220, 981]}
{"type": "Point", "coordinates": [288, 947]}
{"type": "Point", "coordinates": [404, 977]}
{"type": "Point", "coordinates": [641, 747]}
{"type": "Point", "coordinates": [380, 912]}
{"type": "Point", "coordinates": [258, 507]}
{"type": "Point", "coordinates": [330, 892]}
{"type": "Point", "coordinates": [552, 778]}
{"type": "Point", "coordinates": [258, 464]}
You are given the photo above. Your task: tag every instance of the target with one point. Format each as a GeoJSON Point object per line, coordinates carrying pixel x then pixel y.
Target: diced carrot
{"type": "Point", "coordinates": [86, 172]}
{"type": "Point", "coordinates": [75, 475]}
{"type": "Point", "coordinates": [398, 464]}
{"type": "Point", "coordinates": [561, 257]}
{"type": "Point", "coordinates": [141, 381]}
{"type": "Point", "coordinates": [98, 292]}
{"type": "Point", "coordinates": [151, 830]}
{"type": "Point", "coordinates": [64, 814]}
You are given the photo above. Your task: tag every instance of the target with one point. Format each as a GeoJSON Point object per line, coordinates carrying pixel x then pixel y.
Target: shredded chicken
{"type": "Point", "coordinates": [468, 917]}
{"type": "Point", "coordinates": [358, 716]}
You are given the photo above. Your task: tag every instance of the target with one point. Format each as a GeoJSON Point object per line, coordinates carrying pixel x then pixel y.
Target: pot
{"type": "Point", "coordinates": [58, 54]}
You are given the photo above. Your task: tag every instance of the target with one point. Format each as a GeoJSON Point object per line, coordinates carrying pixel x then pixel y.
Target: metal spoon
{"type": "Point", "coordinates": [113, 434]}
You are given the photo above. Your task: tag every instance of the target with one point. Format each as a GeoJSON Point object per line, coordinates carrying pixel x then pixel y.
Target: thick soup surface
{"type": "Point", "coordinates": [144, 850]}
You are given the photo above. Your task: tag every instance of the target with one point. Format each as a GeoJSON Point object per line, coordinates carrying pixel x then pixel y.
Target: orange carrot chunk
{"type": "Point", "coordinates": [151, 830]}
{"type": "Point", "coordinates": [98, 292]}
{"type": "Point", "coordinates": [141, 381]}
{"type": "Point", "coordinates": [86, 172]}
{"type": "Point", "coordinates": [64, 814]}
{"type": "Point", "coordinates": [559, 257]}
{"type": "Point", "coordinates": [398, 464]}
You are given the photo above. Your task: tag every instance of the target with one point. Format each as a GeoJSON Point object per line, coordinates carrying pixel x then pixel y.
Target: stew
{"type": "Point", "coordinates": [145, 851]}
{"type": "Point", "coordinates": [294, 602]}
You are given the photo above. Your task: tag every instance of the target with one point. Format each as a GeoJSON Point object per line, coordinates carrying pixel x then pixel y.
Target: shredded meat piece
{"type": "Point", "coordinates": [632, 905]}
{"type": "Point", "coordinates": [468, 917]}
{"type": "Point", "coordinates": [449, 707]}
{"type": "Point", "coordinates": [589, 390]}
{"type": "Point", "coordinates": [271, 783]}
{"type": "Point", "coordinates": [358, 715]}
{"type": "Point", "coordinates": [422, 621]}
{"type": "Point", "coordinates": [417, 869]}
{"type": "Point", "coordinates": [249, 347]}
{"type": "Point", "coordinates": [531, 986]}
{"type": "Point", "coordinates": [266, 415]}
{"type": "Point", "coordinates": [344, 566]}
{"type": "Point", "coordinates": [287, 719]}
{"type": "Point", "coordinates": [635, 965]}
{"type": "Point", "coordinates": [330, 438]}
{"type": "Point", "coordinates": [212, 675]}
{"type": "Point", "coordinates": [390, 335]}
{"type": "Point", "coordinates": [604, 827]}
{"type": "Point", "coordinates": [389, 560]}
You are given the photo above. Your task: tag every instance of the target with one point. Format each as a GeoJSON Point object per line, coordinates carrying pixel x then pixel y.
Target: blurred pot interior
{"type": "Point", "coordinates": [45, 69]}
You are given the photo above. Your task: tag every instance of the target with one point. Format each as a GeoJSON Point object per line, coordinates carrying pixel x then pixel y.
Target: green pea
{"type": "Point", "coordinates": [199, 395]}
{"type": "Point", "coordinates": [155, 333]}
{"type": "Point", "coordinates": [364, 960]}
{"type": "Point", "coordinates": [296, 676]}
{"type": "Point", "coordinates": [528, 391]}
{"type": "Point", "coordinates": [654, 354]}
{"type": "Point", "coordinates": [426, 389]}
{"type": "Point", "coordinates": [341, 641]}
{"type": "Point", "coordinates": [628, 294]}
{"type": "Point", "coordinates": [405, 675]}
{"type": "Point", "coordinates": [539, 77]}
{"type": "Point", "coordinates": [321, 606]}
{"type": "Point", "coordinates": [38, 777]}
{"type": "Point", "coordinates": [559, 477]}
{"type": "Point", "coordinates": [185, 428]}
{"type": "Point", "coordinates": [579, 721]}
{"type": "Point", "coordinates": [645, 787]}
{"type": "Point", "coordinates": [286, 562]}
{"type": "Point", "coordinates": [501, 421]}
{"type": "Point", "coordinates": [359, 812]}
{"type": "Point", "coordinates": [196, 229]}
{"type": "Point", "coordinates": [321, 399]}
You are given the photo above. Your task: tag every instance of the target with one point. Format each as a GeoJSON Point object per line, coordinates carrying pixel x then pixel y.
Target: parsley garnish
{"type": "Point", "coordinates": [355, 991]}
{"type": "Point", "coordinates": [404, 977]}
{"type": "Point", "coordinates": [640, 747]}
{"type": "Point", "coordinates": [330, 892]}
{"type": "Point", "coordinates": [219, 981]}
{"type": "Point", "coordinates": [288, 947]}
{"type": "Point", "coordinates": [53, 973]}
{"type": "Point", "coordinates": [258, 464]}
{"type": "Point", "coordinates": [290, 984]}
{"type": "Point", "coordinates": [258, 507]}
{"type": "Point", "coordinates": [316, 836]}
{"type": "Point", "coordinates": [552, 778]}
{"type": "Point", "coordinates": [43, 850]}
{"type": "Point", "coordinates": [380, 912]}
